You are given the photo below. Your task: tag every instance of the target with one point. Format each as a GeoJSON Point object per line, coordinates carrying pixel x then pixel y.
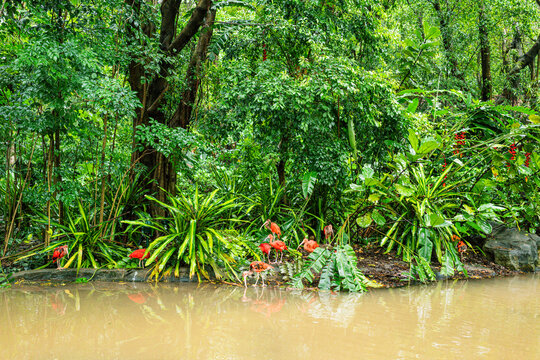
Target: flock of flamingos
{"type": "Point", "coordinates": [255, 267]}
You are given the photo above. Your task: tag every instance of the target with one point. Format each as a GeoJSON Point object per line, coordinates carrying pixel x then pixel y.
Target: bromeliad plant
{"type": "Point", "coordinates": [87, 246]}
{"type": "Point", "coordinates": [193, 234]}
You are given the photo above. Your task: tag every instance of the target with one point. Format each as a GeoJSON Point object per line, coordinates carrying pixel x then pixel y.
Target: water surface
{"type": "Point", "coordinates": [488, 319]}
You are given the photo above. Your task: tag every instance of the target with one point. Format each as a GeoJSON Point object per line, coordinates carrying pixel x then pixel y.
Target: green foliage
{"type": "Point", "coordinates": [338, 270]}
{"type": "Point", "coordinates": [297, 102]}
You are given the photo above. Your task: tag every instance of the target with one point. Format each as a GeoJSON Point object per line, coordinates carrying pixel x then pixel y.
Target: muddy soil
{"type": "Point", "coordinates": [390, 271]}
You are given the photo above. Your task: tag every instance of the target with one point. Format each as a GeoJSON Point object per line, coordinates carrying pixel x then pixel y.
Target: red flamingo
{"type": "Point", "coordinates": [309, 245]}
{"type": "Point", "coordinates": [328, 232]}
{"type": "Point", "coordinates": [273, 227]}
{"type": "Point", "coordinates": [279, 246]}
{"type": "Point", "coordinates": [59, 253]}
{"type": "Point", "coordinates": [258, 267]}
{"type": "Point", "coordinates": [461, 247]}
{"type": "Point", "coordinates": [139, 254]}
{"type": "Point", "coordinates": [266, 247]}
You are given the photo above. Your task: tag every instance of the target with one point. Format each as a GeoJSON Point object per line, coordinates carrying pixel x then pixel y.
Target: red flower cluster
{"type": "Point", "coordinates": [460, 141]}
{"type": "Point", "coordinates": [527, 159]}
{"type": "Point", "coordinates": [513, 151]}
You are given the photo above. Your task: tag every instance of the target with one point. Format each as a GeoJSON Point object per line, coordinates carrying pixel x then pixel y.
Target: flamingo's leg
{"type": "Point", "coordinates": [257, 279]}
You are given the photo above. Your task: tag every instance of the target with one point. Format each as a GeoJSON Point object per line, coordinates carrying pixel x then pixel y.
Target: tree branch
{"type": "Point", "coordinates": [191, 28]}
{"type": "Point", "coordinates": [526, 59]}
{"type": "Point", "coordinates": [169, 12]}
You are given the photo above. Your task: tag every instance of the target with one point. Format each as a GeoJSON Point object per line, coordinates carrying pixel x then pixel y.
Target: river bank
{"type": "Point", "coordinates": [387, 270]}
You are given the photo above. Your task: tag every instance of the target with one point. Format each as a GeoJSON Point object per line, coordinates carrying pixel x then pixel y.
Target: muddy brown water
{"type": "Point", "coordinates": [488, 319]}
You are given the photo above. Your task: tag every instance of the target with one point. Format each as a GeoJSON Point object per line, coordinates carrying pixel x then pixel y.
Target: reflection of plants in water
{"type": "Point", "coordinates": [5, 279]}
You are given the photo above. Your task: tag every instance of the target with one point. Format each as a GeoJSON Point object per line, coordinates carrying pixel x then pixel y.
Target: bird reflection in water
{"type": "Point", "coordinates": [58, 304]}
{"type": "Point", "coordinates": [138, 298]}
{"type": "Point", "coordinates": [264, 307]}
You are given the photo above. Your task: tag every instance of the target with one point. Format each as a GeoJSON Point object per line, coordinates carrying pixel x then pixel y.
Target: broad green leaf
{"type": "Point", "coordinates": [378, 218]}
{"type": "Point", "coordinates": [352, 137]}
{"type": "Point", "coordinates": [468, 209]}
{"type": "Point", "coordinates": [436, 220]}
{"type": "Point", "coordinates": [413, 140]}
{"type": "Point", "coordinates": [535, 119]}
{"type": "Point", "coordinates": [447, 268]}
{"type": "Point", "coordinates": [372, 182]}
{"type": "Point", "coordinates": [484, 226]}
{"type": "Point", "coordinates": [428, 146]}
{"type": "Point", "coordinates": [308, 183]}
{"type": "Point", "coordinates": [431, 32]}
{"type": "Point", "coordinates": [364, 221]}
{"type": "Point", "coordinates": [490, 206]}
{"type": "Point", "coordinates": [425, 245]}
{"type": "Point", "coordinates": [404, 191]}
{"type": "Point", "coordinates": [412, 105]}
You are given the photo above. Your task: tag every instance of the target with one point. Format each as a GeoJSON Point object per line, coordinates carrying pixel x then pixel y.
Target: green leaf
{"type": "Point", "coordinates": [372, 182]}
{"type": "Point", "coordinates": [413, 140]}
{"type": "Point", "coordinates": [535, 119]}
{"type": "Point", "coordinates": [431, 32]}
{"type": "Point", "coordinates": [426, 246]}
{"type": "Point", "coordinates": [374, 198]}
{"type": "Point", "coordinates": [378, 218]}
{"type": "Point", "coordinates": [325, 283]}
{"type": "Point", "coordinates": [436, 220]}
{"type": "Point", "coordinates": [404, 191]}
{"type": "Point", "coordinates": [490, 206]}
{"type": "Point", "coordinates": [468, 209]}
{"type": "Point", "coordinates": [484, 226]}
{"type": "Point", "coordinates": [412, 105]}
{"type": "Point", "coordinates": [364, 221]}
{"type": "Point", "coordinates": [447, 268]}
{"type": "Point", "coordinates": [428, 146]}
{"type": "Point", "coordinates": [308, 183]}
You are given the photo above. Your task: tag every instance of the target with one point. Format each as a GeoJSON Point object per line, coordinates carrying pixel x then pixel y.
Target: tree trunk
{"type": "Point", "coordinates": [161, 176]}
{"type": "Point", "coordinates": [520, 62]}
{"type": "Point", "coordinates": [526, 59]}
{"type": "Point", "coordinates": [47, 236]}
{"type": "Point", "coordinates": [57, 175]}
{"type": "Point", "coordinates": [281, 173]}
{"type": "Point", "coordinates": [485, 55]}
{"type": "Point", "coordinates": [182, 115]}
{"type": "Point", "coordinates": [446, 34]}
{"type": "Point", "coordinates": [102, 171]}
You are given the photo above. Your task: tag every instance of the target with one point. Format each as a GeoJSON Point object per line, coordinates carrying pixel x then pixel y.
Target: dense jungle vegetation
{"type": "Point", "coordinates": [181, 126]}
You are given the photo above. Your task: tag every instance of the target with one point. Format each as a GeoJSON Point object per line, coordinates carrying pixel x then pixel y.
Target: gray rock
{"type": "Point", "coordinates": [70, 275]}
{"type": "Point", "coordinates": [513, 249]}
